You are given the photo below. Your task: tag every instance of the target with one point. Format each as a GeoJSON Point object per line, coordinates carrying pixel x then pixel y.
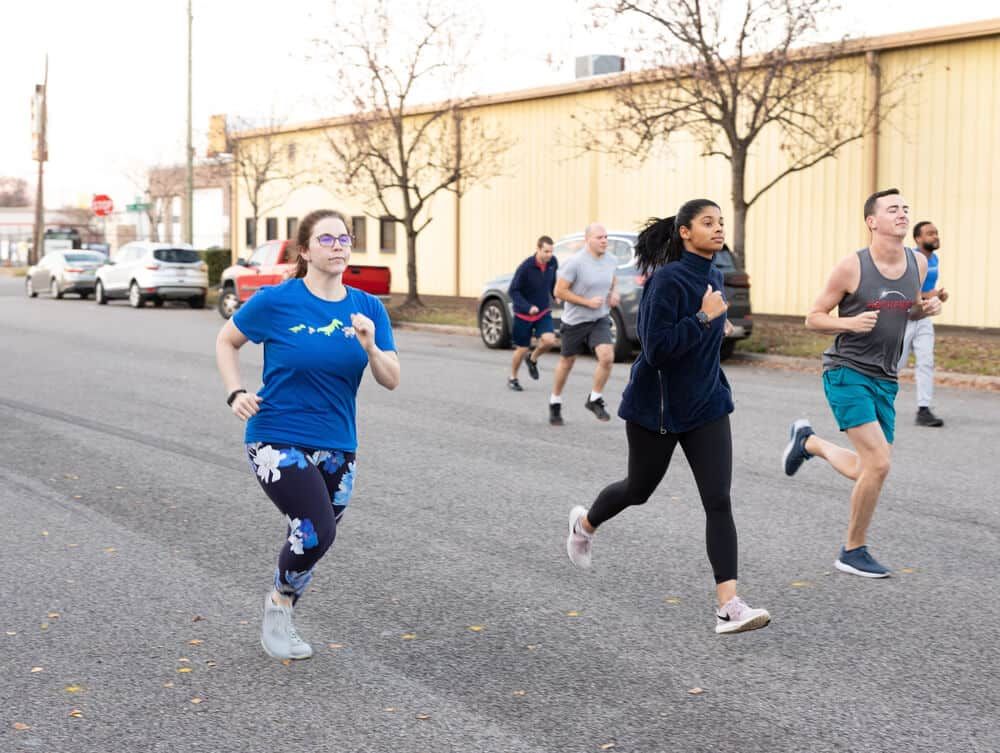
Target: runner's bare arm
{"type": "Point", "coordinates": [227, 358]}
{"type": "Point", "coordinates": [844, 279]}
{"type": "Point", "coordinates": [563, 293]}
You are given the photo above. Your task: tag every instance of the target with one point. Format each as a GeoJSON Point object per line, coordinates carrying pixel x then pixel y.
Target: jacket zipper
{"type": "Point", "coordinates": [659, 376]}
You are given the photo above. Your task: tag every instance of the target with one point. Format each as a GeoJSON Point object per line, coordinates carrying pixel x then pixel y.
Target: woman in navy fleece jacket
{"type": "Point", "coordinates": [677, 394]}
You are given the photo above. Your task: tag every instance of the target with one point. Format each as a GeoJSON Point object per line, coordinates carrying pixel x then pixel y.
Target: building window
{"type": "Point", "coordinates": [271, 228]}
{"type": "Point", "coordinates": [387, 235]}
{"type": "Point", "coordinates": [251, 232]}
{"type": "Point", "coordinates": [291, 227]}
{"type": "Point", "coordinates": [358, 230]}
{"type": "Point", "coordinates": [292, 150]}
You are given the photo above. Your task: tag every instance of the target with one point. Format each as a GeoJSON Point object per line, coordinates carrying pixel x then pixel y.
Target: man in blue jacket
{"type": "Point", "coordinates": [531, 290]}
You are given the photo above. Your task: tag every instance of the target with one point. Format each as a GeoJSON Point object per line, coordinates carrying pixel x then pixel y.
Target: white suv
{"type": "Point", "coordinates": [142, 271]}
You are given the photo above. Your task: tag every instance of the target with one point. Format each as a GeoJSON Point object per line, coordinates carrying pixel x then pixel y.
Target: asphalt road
{"type": "Point", "coordinates": [137, 548]}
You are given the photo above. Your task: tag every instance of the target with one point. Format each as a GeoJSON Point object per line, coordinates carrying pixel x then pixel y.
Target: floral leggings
{"type": "Point", "coordinates": [312, 489]}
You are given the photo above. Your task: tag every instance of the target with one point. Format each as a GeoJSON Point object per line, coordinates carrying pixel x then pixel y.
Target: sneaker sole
{"type": "Point", "coordinates": [575, 513]}
{"type": "Point", "coordinates": [754, 623]}
{"type": "Point", "coordinates": [271, 653]}
{"type": "Point", "coordinates": [844, 568]}
{"type": "Point", "coordinates": [796, 425]}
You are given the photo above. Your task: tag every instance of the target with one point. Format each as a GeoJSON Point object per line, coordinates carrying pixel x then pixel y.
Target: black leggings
{"type": "Point", "coordinates": [709, 451]}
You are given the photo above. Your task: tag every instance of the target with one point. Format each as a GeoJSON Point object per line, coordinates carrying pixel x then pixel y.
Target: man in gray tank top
{"type": "Point", "coordinates": [876, 291]}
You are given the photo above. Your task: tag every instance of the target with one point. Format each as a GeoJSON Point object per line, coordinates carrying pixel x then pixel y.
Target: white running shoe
{"type": "Point", "coordinates": [578, 542]}
{"type": "Point", "coordinates": [278, 635]}
{"type": "Point", "coordinates": [737, 617]}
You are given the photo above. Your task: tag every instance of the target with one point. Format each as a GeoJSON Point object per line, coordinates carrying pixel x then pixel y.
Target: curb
{"type": "Point", "coordinates": [762, 360]}
{"type": "Point", "coordinates": [440, 329]}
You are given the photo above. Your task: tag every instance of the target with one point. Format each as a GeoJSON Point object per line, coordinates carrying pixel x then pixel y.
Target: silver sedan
{"type": "Point", "coordinates": [61, 272]}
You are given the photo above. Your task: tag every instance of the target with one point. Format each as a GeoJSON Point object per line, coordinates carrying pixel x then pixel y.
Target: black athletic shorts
{"type": "Point", "coordinates": [582, 338]}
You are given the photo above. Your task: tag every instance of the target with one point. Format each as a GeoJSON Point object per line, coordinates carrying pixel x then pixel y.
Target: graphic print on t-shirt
{"type": "Point", "coordinates": [327, 330]}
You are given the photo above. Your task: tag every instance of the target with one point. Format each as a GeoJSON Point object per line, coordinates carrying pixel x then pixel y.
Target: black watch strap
{"type": "Point", "coordinates": [703, 319]}
{"type": "Point", "coordinates": [232, 396]}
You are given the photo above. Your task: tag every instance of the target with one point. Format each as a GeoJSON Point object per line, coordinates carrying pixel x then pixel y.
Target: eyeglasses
{"type": "Point", "coordinates": [327, 241]}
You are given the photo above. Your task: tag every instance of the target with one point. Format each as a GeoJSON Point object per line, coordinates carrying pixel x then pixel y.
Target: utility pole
{"type": "Point", "coordinates": [41, 154]}
{"type": "Point", "coordinates": [189, 203]}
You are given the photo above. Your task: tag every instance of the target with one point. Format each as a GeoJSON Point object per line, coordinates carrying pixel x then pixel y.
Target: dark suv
{"type": "Point", "coordinates": [496, 310]}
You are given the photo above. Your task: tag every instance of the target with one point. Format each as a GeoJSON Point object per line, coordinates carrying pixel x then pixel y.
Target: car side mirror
{"type": "Point", "coordinates": [242, 263]}
{"type": "Point", "coordinates": [109, 263]}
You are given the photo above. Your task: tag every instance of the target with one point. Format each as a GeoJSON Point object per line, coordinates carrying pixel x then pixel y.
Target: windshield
{"type": "Point", "coordinates": [176, 255]}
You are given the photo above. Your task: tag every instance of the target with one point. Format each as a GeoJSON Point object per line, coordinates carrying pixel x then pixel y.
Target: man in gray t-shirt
{"type": "Point", "coordinates": [586, 284]}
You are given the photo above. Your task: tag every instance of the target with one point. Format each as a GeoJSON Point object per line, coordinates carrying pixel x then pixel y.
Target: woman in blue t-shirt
{"type": "Point", "coordinates": [678, 394]}
{"type": "Point", "coordinates": [319, 335]}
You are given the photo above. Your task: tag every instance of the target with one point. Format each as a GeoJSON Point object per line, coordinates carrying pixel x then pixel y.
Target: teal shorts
{"type": "Point", "coordinates": [857, 399]}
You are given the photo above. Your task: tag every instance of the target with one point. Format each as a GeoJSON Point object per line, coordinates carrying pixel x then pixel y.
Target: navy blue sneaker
{"type": "Point", "coordinates": [795, 451]}
{"type": "Point", "coordinates": [860, 562]}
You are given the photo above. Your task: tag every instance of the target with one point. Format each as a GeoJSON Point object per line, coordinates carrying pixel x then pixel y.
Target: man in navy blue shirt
{"type": "Point", "coordinates": [531, 290]}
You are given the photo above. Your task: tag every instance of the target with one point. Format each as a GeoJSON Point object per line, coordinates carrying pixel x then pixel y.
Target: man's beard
{"type": "Point", "coordinates": [929, 247]}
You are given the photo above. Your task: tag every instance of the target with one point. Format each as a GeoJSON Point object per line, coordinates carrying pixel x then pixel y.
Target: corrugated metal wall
{"type": "Point", "coordinates": [940, 147]}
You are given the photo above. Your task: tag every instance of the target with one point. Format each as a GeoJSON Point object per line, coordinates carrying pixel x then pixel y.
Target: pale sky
{"type": "Point", "coordinates": [117, 70]}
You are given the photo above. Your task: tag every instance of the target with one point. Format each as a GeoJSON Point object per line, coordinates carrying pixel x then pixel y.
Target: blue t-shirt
{"type": "Point", "coordinates": [930, 282]}
{"type": "Point", "coordinates": [313, 363]}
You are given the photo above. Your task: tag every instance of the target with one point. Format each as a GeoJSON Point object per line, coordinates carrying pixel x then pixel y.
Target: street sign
{"type": "Point", "coordinates": [137, 207]}
{"type": "Point", "coordinates": [102, 205]}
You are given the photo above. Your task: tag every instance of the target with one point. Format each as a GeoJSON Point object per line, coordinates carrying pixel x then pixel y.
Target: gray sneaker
{"type": "Point", "coordinates": [578, 542]}
{"type": "Point", "coordinates": [278, 636]}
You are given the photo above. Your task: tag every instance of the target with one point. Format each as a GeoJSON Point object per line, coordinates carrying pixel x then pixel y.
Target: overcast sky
{"type": "Point", "coordinates": [117, 70]}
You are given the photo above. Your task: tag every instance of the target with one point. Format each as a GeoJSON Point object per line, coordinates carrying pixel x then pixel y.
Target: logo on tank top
{"type": "Point", "coordinates": [890, 300]}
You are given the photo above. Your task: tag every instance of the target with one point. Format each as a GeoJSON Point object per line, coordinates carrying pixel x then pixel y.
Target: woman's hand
{"type": "Point", "coordinates": [364, 330]}
{"type": "Point", "coordinates": [246, 405]}
{"type": "Point", "coordinates": [713, 304]}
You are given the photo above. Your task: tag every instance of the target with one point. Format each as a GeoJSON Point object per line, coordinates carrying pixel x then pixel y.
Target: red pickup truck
{"type": "Point", "coordinates": [273, 263]}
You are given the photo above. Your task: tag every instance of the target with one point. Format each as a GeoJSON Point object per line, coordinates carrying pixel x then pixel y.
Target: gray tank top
{"type": "Point", "coordinates": [876, 353]}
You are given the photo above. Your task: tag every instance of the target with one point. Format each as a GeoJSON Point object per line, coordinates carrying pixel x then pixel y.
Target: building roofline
{"type": "Point", "coordinates": [900, 40]}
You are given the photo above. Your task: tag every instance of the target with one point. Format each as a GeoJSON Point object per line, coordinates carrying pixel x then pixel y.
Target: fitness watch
{"type": "Point", "coordinates": [232, 396]}
{"type": "Point", "coordinates": [703, 319]}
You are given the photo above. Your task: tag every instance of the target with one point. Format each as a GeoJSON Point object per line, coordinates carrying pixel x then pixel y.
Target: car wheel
{"type": "Point", "coordinates": [99, 296]}
{"type": "Point", "coordinates": [198, 302]}
{"type": "Point", "coordinates": [623, 348]}
{"type": "Point", "coordinates": [29, 288]}
{"type": "Point", "coordinates": [493, 327]}
{"type": "Point", "coordinates": [54, 289]}
{"type": "Point", "coordinates": [728, 346]}
{"type": "Point", "coordinates": [228, 302]}
{"type": "Point", "coordinates": [135, 299]}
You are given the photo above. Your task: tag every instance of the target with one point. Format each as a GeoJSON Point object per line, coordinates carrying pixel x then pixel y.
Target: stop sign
{"type": "Point", "coordinates": [102, 205]}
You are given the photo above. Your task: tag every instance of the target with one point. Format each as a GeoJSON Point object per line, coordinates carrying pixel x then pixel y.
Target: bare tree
{"type": "Point", "coordinates": [266, 164]}
{"type": "Point", "coordinates": [398, 155]}
{"type": "Point", "coordinates": [727, 82]}
{"type": "Point", "coordinates": [14, 192]}
{"type": "Point", "coordinates": [157, 186]}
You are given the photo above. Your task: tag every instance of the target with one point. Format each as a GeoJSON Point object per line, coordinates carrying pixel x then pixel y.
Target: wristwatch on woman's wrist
{"type": "Point", "coordinates": [232, 396]}
{"type": "Point", "coordinates": [703, 319]}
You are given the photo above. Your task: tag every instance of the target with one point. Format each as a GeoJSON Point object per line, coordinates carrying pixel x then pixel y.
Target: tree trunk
{"type": "Point", "coordinates": [740, 208]}
{"type": "Point", "coordinates": [412, 296]}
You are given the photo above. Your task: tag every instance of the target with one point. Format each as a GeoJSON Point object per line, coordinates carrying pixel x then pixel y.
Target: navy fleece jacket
{"type": "Point", "coordinates": [677, 383]}
{"type": "Point", "coordinates": [532, 286]}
